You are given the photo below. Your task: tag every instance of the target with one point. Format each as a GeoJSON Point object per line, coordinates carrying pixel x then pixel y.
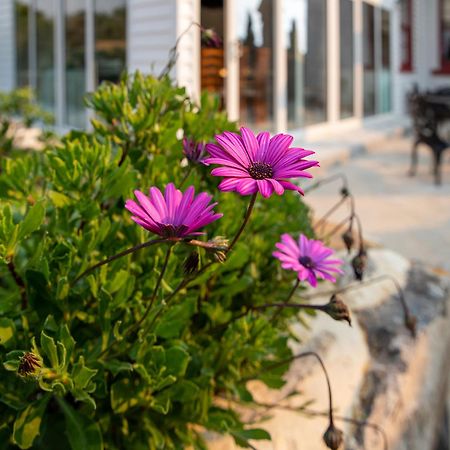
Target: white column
{"type": "Point", "coordinates": [231, 44]}
{"type": "Point", "coordinates": [280, 70]}
{"type": "Point", "coordinates": [358, 62]}
{"type": "Point", "coordinates": [333, 61]}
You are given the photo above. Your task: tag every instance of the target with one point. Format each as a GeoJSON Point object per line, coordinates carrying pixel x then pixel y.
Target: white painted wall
{"type": "Point", "coordinates": [151, 33]}
{"type": "Point", "coordinates": [153, 27]}
{"type": "Point", "coordinates": [7, 54]}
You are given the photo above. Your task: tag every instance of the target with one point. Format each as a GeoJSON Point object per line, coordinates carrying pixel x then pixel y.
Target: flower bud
{"type": "Point", "coordinates": [191, 263]}
{"type": "Point", "coordinates": [359, 264]}
{"type": "Point", "coordinates": [348, 239]}
{"type": "Point", "coordinates": [337, 309]}
{"type": "Point", "coordinates": [333, 437]}
{"type": "Point", "coordinates": [30, 364]}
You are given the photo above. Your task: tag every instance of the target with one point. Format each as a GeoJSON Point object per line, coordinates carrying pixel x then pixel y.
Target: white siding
{"type": "Point", "coordinates": [153, 28]}
{"type": "Point", "coordinates": [151, 33]}
{"type": "Point", "coordinates": [7, 59]}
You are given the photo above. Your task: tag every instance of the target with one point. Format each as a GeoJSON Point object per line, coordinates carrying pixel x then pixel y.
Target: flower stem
{"type": "Point", "coordinates": [244, 223]}
{"type": "Point", "coordinates": [288, 298]}
{"type": "Point", "coordinates": [186, 176]}
{"type": "Point", "coordinates": [155, 291]}
{"type": "Point", "coordinates": [20, 283]}
{"type": "Point", "coordinates": [117, 256]}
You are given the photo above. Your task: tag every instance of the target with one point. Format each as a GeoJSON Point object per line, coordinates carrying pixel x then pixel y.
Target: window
{"type": "Point", "coordinates": [255, 29]}
{"type": "Point", "coordinates": [346, 57]}
{"type": "Point", "coordinates": [45, 58]}
{"type": "Point", "coordinates": [384, 78]}
{"type": "Point", "coordinates": [369, 59]}
{"type": "Point", "coordinates": [406, 36]}
{"type": "Point", "coordinates": [445, 35]}
{"type": "Point", "coordinates": [75, 75]}
{"type": "Point", "coordinates": [22, 47]}
{"type": "Point", "coordinates": [294, 17]}
{"type": "Point", "coordinates": [212, 61]}
{"type": "Point", "coordinates": [316, 63]}
{"type": "Point", "coordinates": [110, 48]}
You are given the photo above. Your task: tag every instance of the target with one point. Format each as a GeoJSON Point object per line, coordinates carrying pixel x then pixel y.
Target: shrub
{"type": "Point", "coordinates": [77, 372]}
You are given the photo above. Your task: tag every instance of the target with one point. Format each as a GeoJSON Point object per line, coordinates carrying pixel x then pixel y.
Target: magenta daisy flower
{"type": "Point", "coordinates": [194, 151]}
{"type": "Point", "coordinates": [260, 163]}
{"type": "Point", "coordinates": [309, 258]}
{"type": "Point", "coordinates": [175, 214]}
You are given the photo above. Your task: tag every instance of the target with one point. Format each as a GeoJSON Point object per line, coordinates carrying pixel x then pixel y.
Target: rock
{"type": "Point", "coordinates": [378, 372]}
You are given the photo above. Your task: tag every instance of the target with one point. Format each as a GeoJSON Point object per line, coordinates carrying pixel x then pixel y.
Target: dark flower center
{"type": "Point", "coordinates": [306, 261]}
{"type": "Point", "coordinates": [260, 171]}
{"type": "Point", "coordinates": [170, 231]}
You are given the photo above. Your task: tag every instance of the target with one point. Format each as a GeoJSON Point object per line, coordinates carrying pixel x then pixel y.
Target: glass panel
{"type": "Point", "coordinates": [385, 72]}
{"type": "Point", "coordinates": [45, 76]}
{"type": "Point", "coordinates": [212, 52]}
{"type": "Point", "coordinates": [75, 66]}
{"type": "Point", "coordinates": [316, 63]}
{"type": "Point", "coordinates": [110, 48]}
{"type": "Point", "coordinates": [294, 23]}
{"type": "Point", "coordinates": [255, 30]}
{"type": "Point", "coordinates": [445, 49]}
{"type": "Point", "coordinates": [346, 57]}
{"type": "Point", "coordinates": [22, 12]}
{"type": "Point", "coordinates": [369, 58]}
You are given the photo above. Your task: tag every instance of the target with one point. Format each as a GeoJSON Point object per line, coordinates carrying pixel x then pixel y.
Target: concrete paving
{"type": "Point", "coordinates": [408, 215]}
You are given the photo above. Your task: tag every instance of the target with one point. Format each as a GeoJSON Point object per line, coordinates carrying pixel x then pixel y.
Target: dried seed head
{"type": "Point", "coordinates": [411, 324]}
{"type": "Point", "coordinates": [191, 263]}
{"type": "Point", "coordinates": [359, 264]}
{"type": "Point", "coordinates": [348, 239]}
{"type": "Point", "coordinates": [345, 192]}
{"type": "Point", "coordinates": [333, 437]}
{"type": "Point", "coordinates": [337, 309]}
{"type": "Point", "coordinates": [30, 363]}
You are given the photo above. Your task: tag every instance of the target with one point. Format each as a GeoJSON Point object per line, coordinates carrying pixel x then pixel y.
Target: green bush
{"type": "Point", "coordinates": [97, 381]}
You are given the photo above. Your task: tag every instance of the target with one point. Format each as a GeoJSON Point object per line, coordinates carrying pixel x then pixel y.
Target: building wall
{"type": "Point", "coordinates": [153, 29]}
{"type": "Point", "coordinates": [151, 33]}
{"type": "Point", "coordinates": [7, 59]}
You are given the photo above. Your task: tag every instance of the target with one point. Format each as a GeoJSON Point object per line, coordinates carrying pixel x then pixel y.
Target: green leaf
{"type": "Point", "coordinates": [28, 423]}
{"type": "Point", "coordinates": [83, 433]}
{"type": "Point", "coordinates": [81, 374]}
{"type": "Point", "coordinates": [32, 221]}
{"type": "Point", "coordinates": [7, 332]}
{"type": "Point", "coordinates": [177, 360]}
{"type": "Point", "coordinates": [49, 347]}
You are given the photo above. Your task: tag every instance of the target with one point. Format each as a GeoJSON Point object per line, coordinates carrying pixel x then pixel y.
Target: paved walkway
{"type": "Point", "coordinates": [408, 215]}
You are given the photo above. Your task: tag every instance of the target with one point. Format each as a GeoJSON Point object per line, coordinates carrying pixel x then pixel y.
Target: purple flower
{"type": "Point", "coordinates": [309, 258]}
{"type": "Point", "coordinates": [251, 164]}
{"type": "Point", "coordinates": [210, 38]}
{"type": "Point", "coordinates": [175, 214]}
{"type": "Point", "coordinates": [194, 151]}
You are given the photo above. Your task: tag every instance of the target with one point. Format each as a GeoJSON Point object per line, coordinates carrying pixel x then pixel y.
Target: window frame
{"type": "Point", "coordinates": [444, 65]}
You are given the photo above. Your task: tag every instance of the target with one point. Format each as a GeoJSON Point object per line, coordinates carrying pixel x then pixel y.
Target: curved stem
{"type": "Point", "coordinates": [288, 298]}
{"type": "Point", "coordinates": [117, 256]}
{"type": "Point", "coordinates": [155, 291]}
{"type": "Point", "coordinates": [20, 284]}
{"type": "Point", "coordinates": [186, 176]}
{"type": "Point", "coordinates": [244, 223]}
{"type": "Point", "coordinates": [305, 355]}
{"type": "Point", "coordinates": [408, 317]}
{"type": "Point", "coordinates": [321, 222]}
{"type": "Point", "coordinates": [327, 180]}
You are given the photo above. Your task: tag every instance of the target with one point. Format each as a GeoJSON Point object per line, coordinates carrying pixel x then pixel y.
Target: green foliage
{"type": "Point", "coordinates": [105, 382]}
